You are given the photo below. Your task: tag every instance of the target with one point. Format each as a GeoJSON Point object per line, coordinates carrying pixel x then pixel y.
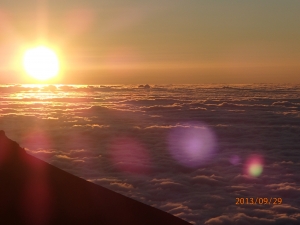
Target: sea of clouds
{"type": "Point", "coordinates": [190, 150]}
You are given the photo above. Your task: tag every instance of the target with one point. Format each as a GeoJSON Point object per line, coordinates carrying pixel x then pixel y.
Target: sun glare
{"type": "Point", "coordinates": [41, 63]}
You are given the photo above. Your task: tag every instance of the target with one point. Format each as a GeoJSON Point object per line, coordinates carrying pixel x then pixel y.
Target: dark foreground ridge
{"type": "Point", "coordinates": [35, 192]}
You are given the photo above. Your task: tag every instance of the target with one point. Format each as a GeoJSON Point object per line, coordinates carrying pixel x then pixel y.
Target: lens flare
{"type": "Point", "coordinates": [79, 20]}
{"type": "Point", "coordinates": [192, 144]}
{"type": "Point", "coordinates": [36, 199]}
{"type": "Point", "coordinates": [36, 138]}
{"type": "Point", "coordinates": [235, 160]}
{"type": "Point", "coordinates": [255, 170]}
{"type": "Point", "coordinates": [129, 155]}
{"type": "Point", "coordinates": [254, 165]}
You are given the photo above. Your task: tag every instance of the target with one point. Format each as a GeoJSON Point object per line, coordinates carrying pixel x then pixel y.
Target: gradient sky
{"type": "Point", "coordinates": [131, 42]}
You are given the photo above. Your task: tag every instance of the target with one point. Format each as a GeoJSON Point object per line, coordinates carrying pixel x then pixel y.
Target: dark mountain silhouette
{"type": "Point", "coordinates": [35, 192]}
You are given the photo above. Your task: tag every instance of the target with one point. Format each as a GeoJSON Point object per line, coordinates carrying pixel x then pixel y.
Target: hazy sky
{"type": "Point", "coordinates": [105, 42]}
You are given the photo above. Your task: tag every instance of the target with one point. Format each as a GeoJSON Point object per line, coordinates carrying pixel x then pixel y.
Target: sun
{"type": "Point", "coordinates": [41, 63]}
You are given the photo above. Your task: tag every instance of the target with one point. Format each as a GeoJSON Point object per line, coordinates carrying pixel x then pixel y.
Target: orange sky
{"type": "Point", "coordinates": [111, 42]}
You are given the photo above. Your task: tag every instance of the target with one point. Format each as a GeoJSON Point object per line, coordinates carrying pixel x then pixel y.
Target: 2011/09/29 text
{"type": "Point", "coordinates": [260, 201]}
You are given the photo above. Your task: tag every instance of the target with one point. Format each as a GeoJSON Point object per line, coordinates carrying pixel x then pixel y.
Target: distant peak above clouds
{"type": "Point", "coordinates": [9, 149]}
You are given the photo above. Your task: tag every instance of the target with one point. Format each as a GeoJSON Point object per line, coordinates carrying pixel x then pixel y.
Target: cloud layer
{"type": "Point", "coordinates": [193, 151]}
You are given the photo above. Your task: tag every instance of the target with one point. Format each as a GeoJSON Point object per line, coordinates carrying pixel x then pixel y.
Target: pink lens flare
{"type": "Point", "coordinates": [122, 58]}
{"type": "Point", "coordinates": [129, 155]}
{"type": "Point", "coordinates": [192, 144]}
{"type": "Point", "coordinates": [79, 20]}
{"type": "Point", "coordinates": [37, 138]}
{"type": "Point", "coordinates": [235, 160]}
{"type": "Point", "coordinates": [36, 198]}
{"type": "Point", "coordinates": [37, 201]}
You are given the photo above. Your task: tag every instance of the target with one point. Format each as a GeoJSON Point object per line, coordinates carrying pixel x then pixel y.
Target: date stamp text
{"type": "Point", "coordinates": [259, 201]}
